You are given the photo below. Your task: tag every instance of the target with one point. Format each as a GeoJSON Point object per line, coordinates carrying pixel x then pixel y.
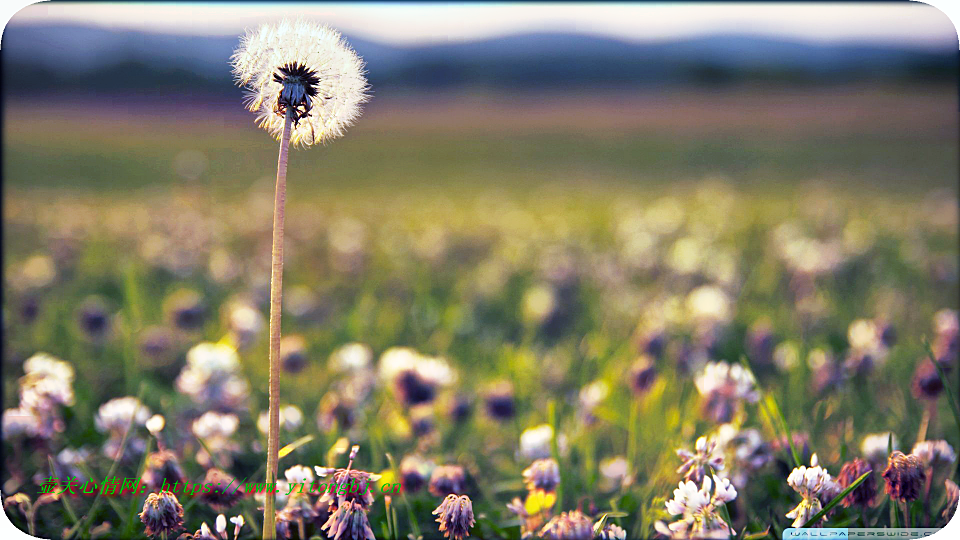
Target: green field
{"type": "Point", "coordinates": [537, 241]}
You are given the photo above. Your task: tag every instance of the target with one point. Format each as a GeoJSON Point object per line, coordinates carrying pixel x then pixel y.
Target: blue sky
{"type": "Point", "coordinates": [400, 23]}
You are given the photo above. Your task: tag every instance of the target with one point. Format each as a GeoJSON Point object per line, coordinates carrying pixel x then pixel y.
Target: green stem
{"type": "Point", "coordinates": [276, 293]}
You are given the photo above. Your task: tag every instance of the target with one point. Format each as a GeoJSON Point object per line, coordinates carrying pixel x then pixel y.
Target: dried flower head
{"type": "Point", "coordinates": [573, 525]}
{"type": "Point", "coordinates": [306, 67]}
{"type": "Point", "coordinates": [863, 494]}
{"type": "Point", "coordinates": [953, 494]}
{"type": "Point", "coordinates": [348, 522]}
{"type": "Point", "coordinates": [353, 485]}
{"type": "Point", "coordinates": [455, 516]}
{"type": "Point", "coordinates": [226, 490]}
{"type": "Point", "coordinates": [162, 514]}
{"type": "Point", "coordinates": [904, 476]}
{"type": "Point", "coordinates": [542, 474]}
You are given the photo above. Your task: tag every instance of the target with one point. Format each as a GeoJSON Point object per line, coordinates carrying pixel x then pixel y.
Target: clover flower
{"type": "Point", "coordinates": [535, 442]}
{"type": "Point", "coordinates": [696, 464]}
{"type": "Point", "coordinates": [745, 450]}
{"type": "Point", "coordinates": [642, 374]}
{"type": "Point", "coordinates": [291, 418]}
{"type": "Point", "coordinates": [500, 401]}
{"type": "Point", "coordinates": [162, 514]}
{"type": "Point", "coordinates": [904, 476]}
{"type": "Point", "coordinates": [868, 348]}
{"type": "Point", "coordinates": [610, 531]}
{"type": "Point", "coordinates": [590, 397]}
{"type": "Point", "coordinates": [212, 378]}
{"type": "Point", "coordinates": [723, 387]}
{"type": "Point", "coordinates": [216, 431]}
{"type": "Point", "coordinates": [351, 357]}
{"type": "Point", "coordinates": [162, 468]}
{"type": "Point", "coordinates": [115, 416]}
{"type": "Point", "coordinates": [414, 473]}
{"type": "Point", "coordinates": [306, 67]}
{"type": "Point", "coordinates": [542, 474]}
{"type": "Point", "coordinates": [863, 494]}
{"type": "Point", "coordinates": [293, 353]}
{"type": "Point", "coordinates": [455, 516]}
{"type": "Point", "coordinates": [447, 479]}
{"type": "Point", "coordinates": [874, 446]}
{"type": "Point", "coordinates": [348, 522]}
{"type": "Point", "coordinates": [573, 525]}
{"type": "Point", "coordinates": [934, 454]}
{"type": "Point", "coordinates": [225, 493]}
{"type": "Point", "coordinates": [811, 483]}
{"type": "Point", "coordinates": [185, 310]}
{"type": "Point", "coordinates": [47, 384]}
{"type": "Point", "coordinates": [953, 494]}
{"type": "Point", "coordinates": [698, 510]}
{"type": "Point", "coordinates": [245, 323]}
{"type": "Point", "coordinates": [352, 485]}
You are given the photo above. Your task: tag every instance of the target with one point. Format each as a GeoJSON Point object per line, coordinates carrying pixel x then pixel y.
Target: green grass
{"type": "Point", "coordinates": [458, 226]}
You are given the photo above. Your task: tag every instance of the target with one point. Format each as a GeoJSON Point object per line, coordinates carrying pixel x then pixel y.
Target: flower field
{"type": "Point", "coordinates": [557, 331]}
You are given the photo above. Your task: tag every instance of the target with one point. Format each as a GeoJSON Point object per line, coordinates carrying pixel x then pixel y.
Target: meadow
{"type": "Point", "coordinates": [483, 282]}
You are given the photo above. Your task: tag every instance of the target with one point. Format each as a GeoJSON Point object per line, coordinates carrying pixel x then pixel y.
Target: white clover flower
{"type": "Point", "coordinates": [213, 425]}
{"type": "Point", "coordinates": [115, 415]}
{"type": "Point", "coordinates": [212, 377]}
{"type": "Point", "coordinates": [304, 66]}
{"type": "Point", "coordinates": [535, 442]}
{"type": "Point", "coordinates": [934, 453]}
{"type": "Point", "coordinates": [298, 474]}
{"type": "Point", "coordinates": [695, 464]}
{"type": "Point", "coordinates": [397, 359]}
{"type": "Point", "coordinates": [45, 365]}
{"type": "Point", "coordinates": [709, 304]}
{"type": "Point", "coordinates": [291, 417]}
{"type": "Point", "coordinates": [697, 509]}
{"type": "Point", "coordinates": [811, 483]}
{"type": "Point", "coordinates": [731, 381]}
{"type": "Point", "coordinates": [20, 421]}
{"type": "Point", "coordinates": [351, 357]}
{"type": "Point", "coordinates": [47, 383]}
{"type": "Point", "coordinates": [874, 446]}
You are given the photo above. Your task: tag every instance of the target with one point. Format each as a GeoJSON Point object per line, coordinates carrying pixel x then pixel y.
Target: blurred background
{"type": "Point", "coordinates": [637, 94]}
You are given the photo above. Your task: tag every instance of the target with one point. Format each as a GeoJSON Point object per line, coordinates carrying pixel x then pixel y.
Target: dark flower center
{"type": "Point", "coordinates": [299, 89]}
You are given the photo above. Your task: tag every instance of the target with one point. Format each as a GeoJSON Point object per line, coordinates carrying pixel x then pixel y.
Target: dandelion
{"type": "Point", "coordinates": [455, 516]}
{"type": "Point", "coordinates": [697, 464]}
{"type": "Point", "coordinates": [306, 86]}
{"type": "Point", "coordinates": [699, 510]}
{"type": "Point", "coordinates": [162, 514]}
{"type": "Point", "coordinates": [573, 525]}
{"type": "Point", "coordinates": [812, 483]}
{"type": "Point", "coordinates": [863, 494]}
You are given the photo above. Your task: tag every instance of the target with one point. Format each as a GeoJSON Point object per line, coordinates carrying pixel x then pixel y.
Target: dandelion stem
{"type": "Point", "coordinates": [276, 293]}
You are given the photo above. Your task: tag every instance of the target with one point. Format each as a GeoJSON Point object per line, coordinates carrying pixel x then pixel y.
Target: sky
{"type": "Point", "coordinates": [401, 23]}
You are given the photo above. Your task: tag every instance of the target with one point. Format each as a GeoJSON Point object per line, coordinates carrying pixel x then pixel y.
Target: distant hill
{"type": "Point", "coordinates": [93, 60]}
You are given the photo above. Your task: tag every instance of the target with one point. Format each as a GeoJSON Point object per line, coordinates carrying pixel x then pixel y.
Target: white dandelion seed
{"type": "Point", "coordinates": [305, 66]}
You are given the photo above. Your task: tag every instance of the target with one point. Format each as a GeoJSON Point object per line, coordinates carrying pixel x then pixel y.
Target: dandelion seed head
{"type": "Point", "coordinates": [305, 66]}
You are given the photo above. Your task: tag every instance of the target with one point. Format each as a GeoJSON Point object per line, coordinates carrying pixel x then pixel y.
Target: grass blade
{"type": "Point", "coordinates": [836, 500]}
